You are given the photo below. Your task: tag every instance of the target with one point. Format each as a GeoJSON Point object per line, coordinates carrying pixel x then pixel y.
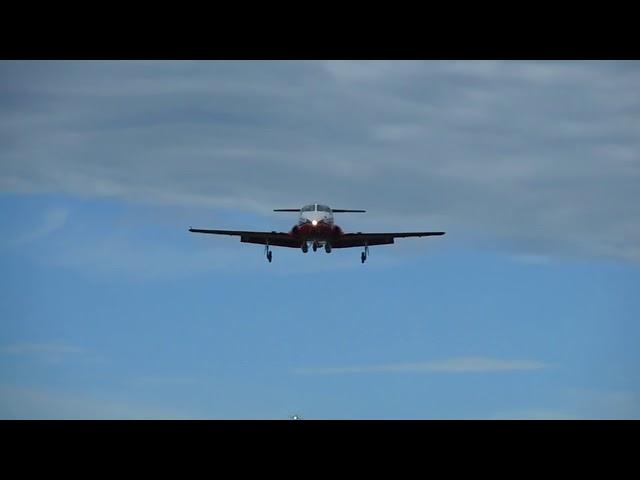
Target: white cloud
{"type": "Point", "coordinates": [454, 365]}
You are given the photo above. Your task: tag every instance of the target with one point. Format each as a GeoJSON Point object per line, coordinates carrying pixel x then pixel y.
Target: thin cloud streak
{"type": "Point", "coordinates": [22, 403]}
{"type": "Point", "coordinates": [165, 381]}
{"type": "Point", "coordinates": [40, 349]}
{"type": "Point", "coordinates": [454, 365]}
{"type": "Point", "coordinates": [54, 220]}
{"type": "Point", "coordinates": [536, 414]}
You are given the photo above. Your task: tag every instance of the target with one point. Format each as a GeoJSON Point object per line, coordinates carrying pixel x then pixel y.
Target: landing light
{"type": "Point", "coordinates": [314, 222]}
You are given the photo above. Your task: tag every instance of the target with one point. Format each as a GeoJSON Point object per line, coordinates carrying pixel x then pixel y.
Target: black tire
{"type": "Point", "coordinates": [269, 256]}
{"type": "Point", "coordinates": [363, 257]}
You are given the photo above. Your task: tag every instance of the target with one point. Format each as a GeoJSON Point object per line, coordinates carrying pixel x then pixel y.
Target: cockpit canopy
{"type": "Point", "coordinates": [315, 207]}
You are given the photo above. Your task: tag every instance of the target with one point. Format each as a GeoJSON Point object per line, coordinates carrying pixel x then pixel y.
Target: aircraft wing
{"type": "Point", "coordinates": [276, 239]}
{"type": "Point", "coordinates": [362, 239]}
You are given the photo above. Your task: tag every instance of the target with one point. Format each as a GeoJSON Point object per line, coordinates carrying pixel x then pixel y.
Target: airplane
{"type": "Point", "coordinates": [316, 227]}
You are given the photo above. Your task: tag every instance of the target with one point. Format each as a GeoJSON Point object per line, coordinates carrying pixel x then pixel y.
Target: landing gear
{"type": "Point", "coordinates": [327, 247]}
{"type": "Point", "coordinates": [268, 252]}
{"type": "Point", "coordinates": [365, 254]}
{"type": "Point", "coordinates": [305, 247]}
{"type": "Point", "coordinates": [314, 246]}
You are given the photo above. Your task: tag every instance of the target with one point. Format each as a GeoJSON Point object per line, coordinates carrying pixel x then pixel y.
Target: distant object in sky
{"type": "Point", "coordinates": [316, 228]}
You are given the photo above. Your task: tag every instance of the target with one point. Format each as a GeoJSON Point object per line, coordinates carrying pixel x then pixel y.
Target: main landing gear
{"type": "Point", "coordinates": [268, 252]}
{"type": "Point", "coordinates": [365, 254]}
{"type": "Point", "coordinates": [315, 245]}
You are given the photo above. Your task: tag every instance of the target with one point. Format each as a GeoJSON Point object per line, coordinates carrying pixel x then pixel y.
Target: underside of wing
{"type": "Point", "coordinates": [370, 239]}
{"type": "Point", "coordinates": [276, 239]}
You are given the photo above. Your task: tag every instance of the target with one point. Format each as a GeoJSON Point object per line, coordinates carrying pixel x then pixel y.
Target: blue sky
{"type": "Point", "coordinates": [527, 308]}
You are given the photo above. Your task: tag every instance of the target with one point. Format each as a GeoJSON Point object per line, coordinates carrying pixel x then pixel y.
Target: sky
{"type": "Point", "coordinates": [527, 308]}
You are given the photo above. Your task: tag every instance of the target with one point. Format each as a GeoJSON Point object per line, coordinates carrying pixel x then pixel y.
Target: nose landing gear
{"type": "Point", "coordinates": [314, 246]}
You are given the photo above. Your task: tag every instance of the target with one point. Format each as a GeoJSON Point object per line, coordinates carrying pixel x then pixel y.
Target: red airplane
{"type": "Point", "coordinates": [316, 227]}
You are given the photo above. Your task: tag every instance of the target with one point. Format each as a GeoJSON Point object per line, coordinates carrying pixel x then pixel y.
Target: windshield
{"type": "Point", "coordinates": [308, 208]}
{"type": "Point", "coordinates": [323, 208]}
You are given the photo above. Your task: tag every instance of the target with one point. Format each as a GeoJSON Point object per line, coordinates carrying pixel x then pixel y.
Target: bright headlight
{"type": "Point", "coordinates": [314, 222]}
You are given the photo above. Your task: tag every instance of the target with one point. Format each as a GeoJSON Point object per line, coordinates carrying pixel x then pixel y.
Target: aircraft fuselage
{"type": "Point", "coordinates": [316, 224]}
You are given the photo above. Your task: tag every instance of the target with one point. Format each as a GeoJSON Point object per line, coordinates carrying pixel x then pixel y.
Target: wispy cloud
{"type": "Point", "coordinates": [165, 381]}
{"type": "Point", "coordinates": [535, 414]}
{"type": "Point", "coordinates": [581, 403]}
{"type": "Point", "coordinates": [53, 220]}
{"type": "Point", "coordinates": [47, 349]}
{"type": "Point", "coordinates": [600, 404]}
{"type": "Point", "coordinates": [18, 402]}
{"type": "Point", "coordinates": [531, 259]}
{"type": "Point", "coordinates": [454, 365]}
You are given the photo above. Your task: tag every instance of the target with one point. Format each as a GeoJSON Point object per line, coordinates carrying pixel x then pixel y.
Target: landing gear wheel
{"type": "Point", "coordinates": [269, 255]}
{"type": "Point", "coordinates": [314, 246]}
{"type": "Point", "coordinates": [327, 248]}
{"type": "Point", "coordinates": [363, 257]}
{"type": "Point", "coordinates": [305, 247]}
